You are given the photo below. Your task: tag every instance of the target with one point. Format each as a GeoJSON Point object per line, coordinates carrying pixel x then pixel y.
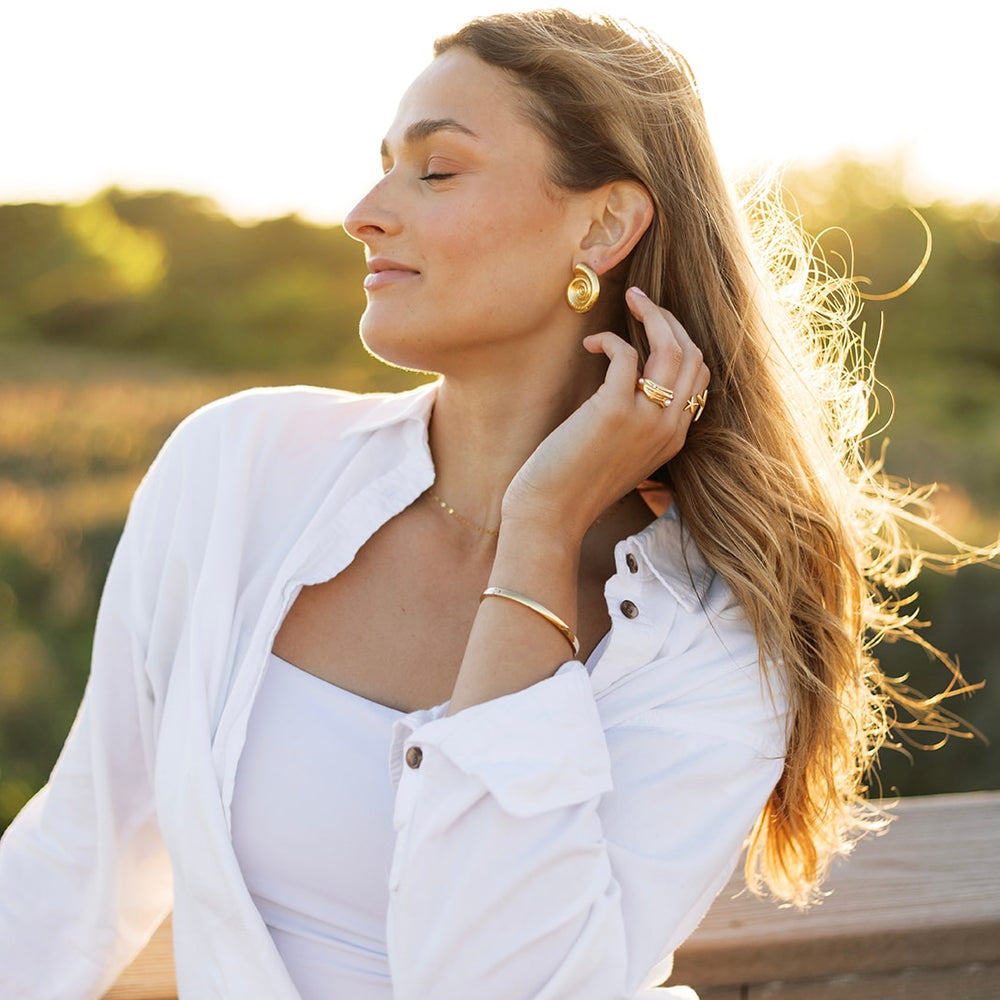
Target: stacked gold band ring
{"type": "Point", "coordinates": [696, 405]}
{"type": "Point", "coordinates": [655, 392]}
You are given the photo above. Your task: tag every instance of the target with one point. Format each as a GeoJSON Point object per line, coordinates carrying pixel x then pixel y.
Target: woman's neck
{"type": "Point", "coordinates": [484, 427]}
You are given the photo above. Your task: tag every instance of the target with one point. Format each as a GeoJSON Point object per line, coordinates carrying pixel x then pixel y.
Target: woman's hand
{"type": "Point", "coordinates": [618, 437]}
{"type": "Point", "coordinates": [600, 452]}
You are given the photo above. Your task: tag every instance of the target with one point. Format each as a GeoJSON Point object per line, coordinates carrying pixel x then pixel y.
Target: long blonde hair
{"type": "Point", "coordinates": [774, 483]}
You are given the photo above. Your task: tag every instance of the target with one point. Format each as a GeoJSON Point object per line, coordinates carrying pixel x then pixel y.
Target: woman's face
{"type": "Point", "coordinates": [469, 246]}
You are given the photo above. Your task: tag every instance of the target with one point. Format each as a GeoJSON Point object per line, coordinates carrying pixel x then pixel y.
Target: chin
{"type": "Point", "coordinates": [397, 351]}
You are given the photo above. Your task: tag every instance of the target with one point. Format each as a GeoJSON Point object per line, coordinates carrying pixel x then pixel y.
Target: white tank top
{"type": "Point", "coordinates": [312, 829]}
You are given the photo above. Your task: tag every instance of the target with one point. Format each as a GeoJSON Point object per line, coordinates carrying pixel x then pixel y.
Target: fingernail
{"type": "Point", "coordinates": [635, 289]}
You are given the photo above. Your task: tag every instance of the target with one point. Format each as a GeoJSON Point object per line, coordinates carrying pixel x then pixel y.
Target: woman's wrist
{"type": "Point", "coordinates": [511, 645]}
{"type": "Point", "coordinates": [536, 546]}
{"type": "Point", "coordinates": [541, 565]}
{"type": "Point", "coordinates": [543, 529]}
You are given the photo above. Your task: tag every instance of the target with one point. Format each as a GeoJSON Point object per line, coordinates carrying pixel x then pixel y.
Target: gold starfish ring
{"type": "Point", "coordinates": [696, 405]}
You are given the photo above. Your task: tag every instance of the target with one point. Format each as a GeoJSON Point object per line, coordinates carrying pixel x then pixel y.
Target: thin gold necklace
{"type": "Point", "coordinates": [458, 517]}
{"type": "Point", "coordinates": [493, 532]}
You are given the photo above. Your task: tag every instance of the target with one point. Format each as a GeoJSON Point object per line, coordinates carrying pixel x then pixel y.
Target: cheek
{"type": "Point", "coordinates": [508, 247]}
{"type": "Point", "coordinates": [464, 238]}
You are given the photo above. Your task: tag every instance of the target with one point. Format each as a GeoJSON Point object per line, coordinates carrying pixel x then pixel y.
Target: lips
{"type": "Point", "coordinates": [385, 272]}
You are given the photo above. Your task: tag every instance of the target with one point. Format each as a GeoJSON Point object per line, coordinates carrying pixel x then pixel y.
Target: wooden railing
{"type": "Point", "coordinates": [913, 914]}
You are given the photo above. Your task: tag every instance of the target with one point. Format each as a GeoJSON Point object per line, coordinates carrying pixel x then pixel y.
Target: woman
{"type": "Point", "coordinates": [629, 682]}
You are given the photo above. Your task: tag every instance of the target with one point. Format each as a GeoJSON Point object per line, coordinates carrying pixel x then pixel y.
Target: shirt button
{"type": "Point", "coordinates": [628, 609]}
{"type": "Point", "coordinates": [414, 755]}
{"type": "Point", "coordinates": [632, 563]}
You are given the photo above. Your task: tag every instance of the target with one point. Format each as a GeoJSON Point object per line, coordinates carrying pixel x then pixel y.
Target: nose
{"type": "Point", "coordinates": [370, 217]}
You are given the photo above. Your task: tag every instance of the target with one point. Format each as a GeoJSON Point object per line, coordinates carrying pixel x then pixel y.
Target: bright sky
{"type": "Point", "coordinates": [280, 106]}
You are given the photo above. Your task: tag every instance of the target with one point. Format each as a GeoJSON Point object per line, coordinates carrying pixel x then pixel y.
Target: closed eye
{"type": "Point", "coordinates": [436, 177]}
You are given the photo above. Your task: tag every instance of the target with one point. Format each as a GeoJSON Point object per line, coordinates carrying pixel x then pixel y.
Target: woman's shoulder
{"type": "Point", "coordinates": [272, 435]}
{"type": "Point", "coordinates": [708, 675]}
{"type": "Point", "coordinates": [262, 419]}
{"type": "Point", "coordinates": [303, 406]}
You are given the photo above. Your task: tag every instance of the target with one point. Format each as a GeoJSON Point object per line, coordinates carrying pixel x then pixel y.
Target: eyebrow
{"type": "Point", "coordinates": [427, 127]}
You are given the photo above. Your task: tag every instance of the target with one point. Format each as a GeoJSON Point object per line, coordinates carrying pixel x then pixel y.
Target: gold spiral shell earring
{"type": "Point", "coordinates": [583, 289]}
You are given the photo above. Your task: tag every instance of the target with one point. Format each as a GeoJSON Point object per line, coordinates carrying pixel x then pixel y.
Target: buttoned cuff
{"type": "Point", "coordinates": [538, 749]}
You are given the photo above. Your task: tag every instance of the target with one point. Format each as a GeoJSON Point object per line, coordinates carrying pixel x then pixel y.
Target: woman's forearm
{"type": "Point", "coordinates": [510, 646]}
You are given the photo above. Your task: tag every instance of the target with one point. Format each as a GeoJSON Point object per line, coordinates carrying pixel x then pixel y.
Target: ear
{"type": "Point", "coordinates": [621, 213]}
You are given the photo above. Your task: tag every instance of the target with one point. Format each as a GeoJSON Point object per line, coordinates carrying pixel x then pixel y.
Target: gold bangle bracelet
{"type": "Point", "coordinates": [553, 619]}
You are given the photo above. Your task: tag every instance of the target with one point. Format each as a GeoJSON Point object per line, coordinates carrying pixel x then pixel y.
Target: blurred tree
{"type": "Point", "coordinates": [939, 357]}
{"type": "Point", "coordinates": [940, 350]}
{"type": "Point", "coordinates": [170, 275]}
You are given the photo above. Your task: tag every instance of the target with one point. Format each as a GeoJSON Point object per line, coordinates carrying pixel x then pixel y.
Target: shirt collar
{"type": "Point", "coordinates": [667, 548]}
{"type": "Point", "coordinates": [388, 408]}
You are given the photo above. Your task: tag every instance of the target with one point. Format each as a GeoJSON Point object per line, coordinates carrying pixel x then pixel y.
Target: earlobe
{"type": "Point", "coordinates": [622, 213]}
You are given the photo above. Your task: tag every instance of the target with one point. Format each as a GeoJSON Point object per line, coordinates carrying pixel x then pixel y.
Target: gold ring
{"type": "Point", "coordinates": [659, 394]}
{"type": "Point", "coordinates": [696, 405]}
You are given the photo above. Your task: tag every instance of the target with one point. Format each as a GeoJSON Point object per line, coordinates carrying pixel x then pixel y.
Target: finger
{"type": "Point", "coordinates": [674, 363]}
{"type": "Point", "coordinates": [693, 366]}
{"type": "Point", "coordinates": [671, 351]}
{"type": "Point", "coordinates": [694, 403]}
{"type": "Point", "coordinates": [669, 344]}
{"type": "Point", "coordinates": [659, 324]}
{"type": "Point", "coordinates": [623, 361]}
{"type": "Point", "coordinates": [694, 376]}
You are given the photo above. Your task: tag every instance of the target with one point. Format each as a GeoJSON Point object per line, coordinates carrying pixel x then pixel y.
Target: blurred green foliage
{"type": "Point", "coordinates": [120, 315]}
{"type": "Point", "coordinates": [168, 275]}
{"type": "Point", "coordinates": [940, 351]}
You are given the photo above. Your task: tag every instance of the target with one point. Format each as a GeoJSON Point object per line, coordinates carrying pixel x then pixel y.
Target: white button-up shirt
{"type": "Point", "coordinates": [554, 844]}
